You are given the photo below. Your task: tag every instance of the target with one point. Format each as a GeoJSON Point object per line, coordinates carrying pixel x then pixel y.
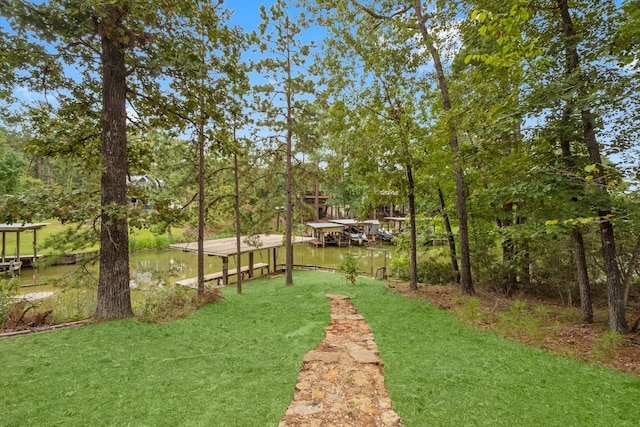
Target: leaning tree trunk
{"type": "Point", "coordinates": [466, 281]}
{"type": "Point", "coordinates": [615, 288]}
{"type": "Point", "coordinates": [114, 299]}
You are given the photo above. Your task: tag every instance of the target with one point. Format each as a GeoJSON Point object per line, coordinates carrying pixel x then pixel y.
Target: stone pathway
{"type": "Point", "coordinates": [341, 381]}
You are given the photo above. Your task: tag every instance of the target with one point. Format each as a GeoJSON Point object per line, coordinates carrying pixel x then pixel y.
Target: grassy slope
{"type": "Point", "coordinates": [235, 363]}
{"type": "Point", "coordinates": [441, 372]}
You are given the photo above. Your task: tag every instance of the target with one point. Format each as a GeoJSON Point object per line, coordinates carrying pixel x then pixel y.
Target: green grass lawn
{"type": "Point", "coordinates": [235, 363]}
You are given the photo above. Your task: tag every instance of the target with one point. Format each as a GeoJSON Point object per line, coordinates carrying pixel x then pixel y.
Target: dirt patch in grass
{"type": "Point", "coordinates": [25, 315]}
{"type": "Point", "coordinates": [540, 323]}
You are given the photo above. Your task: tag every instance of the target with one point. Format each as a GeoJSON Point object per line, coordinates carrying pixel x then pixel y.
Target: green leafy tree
{"type": "Point", "coordinates": [125, 53]}
{"type": "Point", "coordinates": [12, 166]}
{"type": "Point", "coordinates": [399, 26]}
{"type": "Point", "coordinates": [286, 93]}
{"type": "Point", "coordinates": [573, 83]}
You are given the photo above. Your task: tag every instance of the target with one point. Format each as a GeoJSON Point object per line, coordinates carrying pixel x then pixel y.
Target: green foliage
{"type": "Point", "coordinates": [471, 309]}
{"type": "Point", "coordinates": [433, 267]}
{"type": "Point", "coordinates": [8, 290]}
{"type": "Point", "coordinates": [606, 344]}
{"type": "Point", "coordinates": [519, 320]}
{"type": "Point", "coordinates": [12, 165]}
{"type": "Point", "coordinates": [77, 294]}
{"type": "Point", "coordinates": [164, 304]}
{"type": "Point", "coordinates": [434, 271]}
{"type": "Point", "coordinates": [507, 28]}
{"type": "Point", "coordinates": [348, 267]}
{"type": "Point", "coordinates": [74, 302]}
{"type": "Point", "coordinates": [346, 192]}
{"type": "Point", "coordinates": [399, 267]}
{"type": "Point", "coordinates": [153, 241]}
{"type": "Point", "coordinates": [626, 40]}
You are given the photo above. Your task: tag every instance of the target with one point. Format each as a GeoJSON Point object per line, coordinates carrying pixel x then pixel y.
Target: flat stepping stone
{"type": "Point", "coordinates": [322, 356]}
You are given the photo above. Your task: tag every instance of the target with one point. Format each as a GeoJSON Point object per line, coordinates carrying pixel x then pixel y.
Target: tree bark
{"type": "Point", "coordinates": [466, 281]}
{"type": "Point", "coordinates": [316, 193]}
{"type": "Point", "coordinates": [114, 299]}
{"type": "Point", "coordinates": [633, 262]}
{"type": "Point", "coordinates": [289, 180]}
{"type": "Point", "coordinates": [615, 288]}
{"type": "Point", "coordinates": [452, 242]}
{"type": "Point", "coordinates": [201, 210]}
{"type": "Point", "coordinates": [413, 278]}
{"type": "Point", "coordinates": [582, 275]}
{"type": "Point", "coordinates": [238, 230]}
{"type": "Point", "coordinates": [508, 253]}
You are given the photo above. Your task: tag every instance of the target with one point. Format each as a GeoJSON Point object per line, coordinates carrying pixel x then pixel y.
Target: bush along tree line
{"type": "Point", "coordinates": [511, 124]}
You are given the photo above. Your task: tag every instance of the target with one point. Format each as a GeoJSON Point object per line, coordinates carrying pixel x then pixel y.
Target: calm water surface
{"type": "Point", "coordinates": [149, 266]}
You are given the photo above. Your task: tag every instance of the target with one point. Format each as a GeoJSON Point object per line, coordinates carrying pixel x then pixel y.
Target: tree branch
{"type": "Point", "coordinates": [376, 15]}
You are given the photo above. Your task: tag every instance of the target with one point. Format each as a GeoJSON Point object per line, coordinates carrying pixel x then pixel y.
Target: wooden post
{"type": "Point", "coordinates": [275, 258]}
{"type": "Point", "coordinates": [371, 262]}
{"type": "Point", "coordinates": [250, 265]}
{"type": "Point", "coordinates": [35, 253]}
{"type": "Point", "coordinates": [225, 270]}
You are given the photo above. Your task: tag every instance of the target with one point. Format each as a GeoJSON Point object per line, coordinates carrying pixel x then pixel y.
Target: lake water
{"type": "Point", "coordinates": [147, 267]}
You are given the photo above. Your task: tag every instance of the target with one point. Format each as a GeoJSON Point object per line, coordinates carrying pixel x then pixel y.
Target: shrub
{"type": "Point", "coordinates": [520, 321]}
{"type": "Point", "coordinates": [348, 267]}
{"type": "Point", "coordinates": [606, 344]}
{"type": "Point", "coordinates": [174, 302]}
{"type": "Point", "coordinates": [434, 271]}
{"type": "Point", "coordinates": [8, 290]}
{"type": "Point", "coordinates": [399, 267]}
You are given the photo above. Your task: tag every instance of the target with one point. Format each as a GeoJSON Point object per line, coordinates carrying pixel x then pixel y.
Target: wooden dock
{"type": "Point", "coordinates": [11, 267]}
{"type": "Point", "coordinates": [192, 282]}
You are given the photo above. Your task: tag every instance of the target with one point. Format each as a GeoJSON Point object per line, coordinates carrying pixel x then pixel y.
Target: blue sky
{"type": "Point", "coordinates": [246, 12]}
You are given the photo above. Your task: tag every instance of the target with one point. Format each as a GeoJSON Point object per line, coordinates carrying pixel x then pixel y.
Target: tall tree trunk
{"type": "Point", "coordinates": [452, 242]}
{"type": "Point", "coordinates": [238, 231]}
{"type": "Point", "coordinates": [114, 299]}
{"type": "Point", "coordinates": [289, 179]}
{"type": "Point", "coordinates": [508, 253]}
{"type": "Point", "coordinates": [466, 281]}
{"type": "Point", "coordinates": [316, 193]}
{"type": "Point", "coordinates": [582, 274]}
{"type": "Point", "coordinates": [631, 267]}
{"type": "Point", "coordinates": [200, 254]}
{"type": "Point", "coordinates": [615, 288]}
{"type": "Point", "coordinates": [413, 280]}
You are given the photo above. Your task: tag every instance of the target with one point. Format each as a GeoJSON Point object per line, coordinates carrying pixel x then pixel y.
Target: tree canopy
{"type": "Point", "coordinates": [512, 125]}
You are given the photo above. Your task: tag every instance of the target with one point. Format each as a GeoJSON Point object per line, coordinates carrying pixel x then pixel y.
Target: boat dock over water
{"type": "Point", "coordinates": [12, 264]}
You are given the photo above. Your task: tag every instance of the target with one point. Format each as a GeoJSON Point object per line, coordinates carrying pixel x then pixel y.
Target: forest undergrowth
{"type": "Point", "coordinates": [539, 322]}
